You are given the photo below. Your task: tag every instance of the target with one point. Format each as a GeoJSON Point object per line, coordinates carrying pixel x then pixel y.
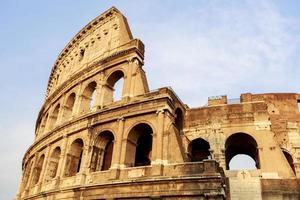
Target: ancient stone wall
{"type": "Point", "coordinates": [91, 144]}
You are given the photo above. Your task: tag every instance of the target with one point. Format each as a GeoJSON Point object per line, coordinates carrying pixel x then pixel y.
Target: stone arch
{"type": "Point", "coordinates": [179, 119]}
{"type": "Point", "coordinates": [88, 97]}
{"type": "Point", "coordinates": [199, 149]}
{"type": "Point", "coordinates": [289, 159]}
{"type": "Point", "coordinates": [69, 106]}
{"type": "Point", "coordinates": [74, 158]}
{"type": "Point", "coordinates": [139, 145]}
{"type": "Point", "coordinates": [43, 123]}
{"type": "Point", "coordinates": [37, 170]}
{"type": "Point", "coordinates": [113, 93]}
{"type": "Point", "coordinates": [102, 151]}
{"type": "Point", "coordinates": [241, 144]}
{"type": "Point", "coordinates": [53, 163]}
{"type": "Point", "coordinates": [54, 116]}
{"type": "Point", "coordinates": [26, 173]}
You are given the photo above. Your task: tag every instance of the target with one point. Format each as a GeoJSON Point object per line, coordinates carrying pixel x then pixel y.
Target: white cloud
{"type": "Point", "coordinates": [220, 49]}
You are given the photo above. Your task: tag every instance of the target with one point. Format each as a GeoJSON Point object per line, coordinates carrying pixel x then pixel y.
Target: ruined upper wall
{"type": "Point", "coordinates": [98, 39]}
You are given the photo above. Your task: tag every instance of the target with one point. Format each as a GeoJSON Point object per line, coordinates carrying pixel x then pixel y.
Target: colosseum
{"type": "Point", "coordinates": [91, 143]}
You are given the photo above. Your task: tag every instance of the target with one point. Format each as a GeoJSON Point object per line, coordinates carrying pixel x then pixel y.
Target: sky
{"type": "Point", "coordinates": [200, 48]}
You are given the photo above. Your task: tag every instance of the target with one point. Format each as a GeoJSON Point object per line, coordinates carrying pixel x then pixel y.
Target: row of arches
{"type": "Point", "coordinates": [85, 102]}
{"type": "Point", "coordinates": [138, 153]}
{"type": "Point", "coordinates": [241, 152]}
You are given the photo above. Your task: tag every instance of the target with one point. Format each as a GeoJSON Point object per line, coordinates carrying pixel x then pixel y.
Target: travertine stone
{"type": "Point", "coordinates": [149, 144]}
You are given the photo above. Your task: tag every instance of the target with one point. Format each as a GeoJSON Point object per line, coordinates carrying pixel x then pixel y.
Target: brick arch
{"type": "Point", "coordinates": [102, 153]}
{"type": "Point", "coordinates": [139, 145]}
{"type": "Point", "coordinates": [74, 157]}
{"type": "Point", "coordinates": [88, 96]}
{"type": "Point", "coordinates": [241, 143]}
{"type": "Point", "coordinates": [53, 163]}
{"type": "Point", "coordinates": [111, 80]}
{"type": "Point", "coordinates": [38, 169]}
{"type": "Point", "coordinates": [54, 116]}
{"type": "Point", "coordinates": [69, 105]}
{"type": "Point", "coordinates": [289, 157]}
{"type": "Point", "coordinates": [199, 149]}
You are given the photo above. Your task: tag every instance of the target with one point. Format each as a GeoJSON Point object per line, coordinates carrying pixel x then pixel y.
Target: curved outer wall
{"type": "Point", "coordinates": [145, 144]}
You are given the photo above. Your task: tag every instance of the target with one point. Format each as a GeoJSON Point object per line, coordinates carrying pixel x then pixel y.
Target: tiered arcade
{"type": "Point", "coordinates": [90, 144]}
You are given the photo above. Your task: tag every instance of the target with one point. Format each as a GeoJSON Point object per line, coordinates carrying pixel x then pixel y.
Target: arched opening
{"type": "Point", "coordinates": [179, 119]}
{"type": "Point", "coordinates": [298, 103]}
{"type": "Point", "coordinates": [26, 174]}
{"type": "Point", "coordinates": [139, 146]}
{"type": "Point", "coordinates": [88, 97]}
{"type": "Point", "coordinates": [241, 144]}
{"type": "Point", "coordinates": [74, 158]}
{"type": "Point", "coordinates": [54, 116]}
{"type": "Point", "coordinates": [43, 124]}
{"type": "Point", "coordinates": [114, 87]}
{"type": "Point", "coordinates": [68, 109]}
{"type": "Point", "coordinates": [242, 161]}
{"type": "Point", "coordinates": [102, 151]}
{"type": "Point", "coordinates": [290, 160]}
{"type": "Point", "coordinates": [199, 150]}
{"type": "Point", "coordinates": [53, 163]}
{"type": "Point", "coordinates": [37, 170]}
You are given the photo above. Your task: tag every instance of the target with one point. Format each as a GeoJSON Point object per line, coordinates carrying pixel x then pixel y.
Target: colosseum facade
{"type": "Point", "coordinates": [90, 144]}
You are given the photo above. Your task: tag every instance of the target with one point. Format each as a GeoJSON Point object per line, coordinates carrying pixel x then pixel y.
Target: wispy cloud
{"type": "Point", "coordinates": [221, 49]}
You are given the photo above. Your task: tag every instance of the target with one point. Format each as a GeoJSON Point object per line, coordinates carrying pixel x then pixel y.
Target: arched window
{"type": "Point", "coordinates": [239, 145]}
{"type": "Point", "coordinates": [199, 150]}
{"type": "Point", "coordinates": [298, 103]}
{"type": "Point", "coordinates": [290, 160]}
{"type": "Point", "coordinates": [54, 116]}
{"type": "Point", "coordinates": [74, 158]}
{"type": "Point", "coordinates": [37, 170]}
{"type": "Point", "coordinates": [88, 97]}
{"type": "Point", "coordinates": [114, 88]}
{"type": "Point", "coordinates": [68, 109]}
{"type": "Point", "coordinates": [139, 146]}
{"type": "Point", "coordinates": [53, 163]}
{"type": "Point", "coordinates": [102, 151]}
{"type": "Point", "coordinates": [179, 119]}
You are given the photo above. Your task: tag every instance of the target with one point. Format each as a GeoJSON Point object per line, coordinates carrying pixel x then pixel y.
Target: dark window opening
{"type": "Point", "coordinates": [298, 103]}
{"type": "Point", "coordinates": [199, 150]}
{"type": "Point", "coordinates": [139, 146]}
{"type": "Point", "coordinates": [107, 156]}
{"type": "Point", "coordinates": [81, 54]}
{"type": "Point", "coordinates": [143, 150]}
{"type": "Point", "coordinates": [179, 119]}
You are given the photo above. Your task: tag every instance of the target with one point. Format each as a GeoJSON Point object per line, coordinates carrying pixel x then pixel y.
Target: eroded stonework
{"type": "Point", "coordinates": [90, 144]}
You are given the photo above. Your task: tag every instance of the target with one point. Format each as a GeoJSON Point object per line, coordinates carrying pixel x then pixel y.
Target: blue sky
{"type": "Point", "coordinates": [207, 48]}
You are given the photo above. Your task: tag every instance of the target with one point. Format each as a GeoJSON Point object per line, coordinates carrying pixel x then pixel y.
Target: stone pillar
{"type": "Point", "coordinates": [77, 103]}
{"type": "Point", "coordinates": [117, 151]}
{"type": "Point", "coordinates": [45, 165]}
{"type": "Point", "coordinates": [27, 187]}
{"type": "Point", "coordinates": [127, 79]}
{"type": "Point", "coordinates": [158, 159]}
{"type": "Point", "coordinates": [62, 162]}
{"type": "Point", "coordinates": [61, 110]}
{"type": "Point", "coordinates": [97, 104]}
